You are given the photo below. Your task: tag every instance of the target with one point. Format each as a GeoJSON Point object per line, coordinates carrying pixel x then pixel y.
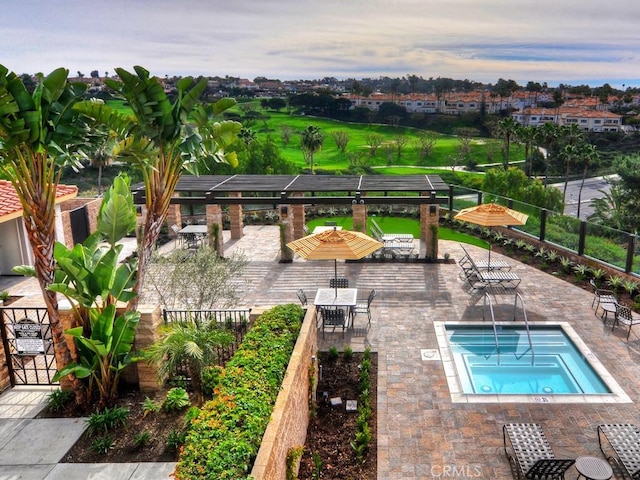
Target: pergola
{"type": "Point", "coordinates": [298, 189]}
{"type": "Point", "coordinates": [290, 193]}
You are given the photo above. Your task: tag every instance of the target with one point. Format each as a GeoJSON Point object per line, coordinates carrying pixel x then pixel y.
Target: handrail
{"type": "Point", "coordinates": [526, 324]}
{"type": "Point", "coordinates": [493, 321]}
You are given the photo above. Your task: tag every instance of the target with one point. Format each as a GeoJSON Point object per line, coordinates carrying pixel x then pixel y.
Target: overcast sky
{"type": "Point", "coordinates": [554, 41]}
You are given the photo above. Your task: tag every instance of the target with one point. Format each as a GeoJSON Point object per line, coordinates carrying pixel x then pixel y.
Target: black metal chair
{"type": "Point", "coordinates": [302, 297]}
{"type": "Point", "coordinates": [602, 296]}
{"type": "Point", "coordinates": [530, 454]}
{"type": "Point", "coordinates": [365, 307]}
{"type": "Point", "coordinates": [625, 316]}
{"type": "Point", "coordinates": [339, 283]}
{"type": "Point", "coordinates": [333, 317]}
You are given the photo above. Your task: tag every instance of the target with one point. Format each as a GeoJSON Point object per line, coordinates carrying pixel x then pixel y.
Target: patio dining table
{"type": "Point", "coordinates": [337, 297]}
{"type": "Point", "coordinates": [192, 235]}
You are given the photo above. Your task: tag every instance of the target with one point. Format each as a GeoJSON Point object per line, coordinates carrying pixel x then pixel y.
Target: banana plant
{"type": "Point", "coordinates": [164, 140]}
{"type": "Point", "coordinates": [105, 353]}
{"type": "Point", "coordinates": [90, 276]}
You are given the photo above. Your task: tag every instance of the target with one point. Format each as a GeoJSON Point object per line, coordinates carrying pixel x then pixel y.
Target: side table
{"type": "Point", "coordinates": [593, 468]}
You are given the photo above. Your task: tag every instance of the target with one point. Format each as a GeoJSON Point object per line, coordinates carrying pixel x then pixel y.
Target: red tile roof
{"type": "Point", "coordinates": [10, 206]}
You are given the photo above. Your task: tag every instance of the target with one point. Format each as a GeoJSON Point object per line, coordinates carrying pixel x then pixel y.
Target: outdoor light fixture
{"type": "Point", "coordinates": [432, 209]}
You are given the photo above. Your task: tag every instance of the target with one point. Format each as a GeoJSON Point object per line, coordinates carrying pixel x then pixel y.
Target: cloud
{"type": "Point", "coordinates": [542, 41]}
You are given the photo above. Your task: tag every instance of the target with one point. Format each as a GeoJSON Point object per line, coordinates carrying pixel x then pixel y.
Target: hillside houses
{"type": "Point", "coordinates": [589, 113]}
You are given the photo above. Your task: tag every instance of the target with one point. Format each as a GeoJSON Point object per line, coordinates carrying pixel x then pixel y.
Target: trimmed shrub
{"type": "Point", "coordinates": [223, 440]}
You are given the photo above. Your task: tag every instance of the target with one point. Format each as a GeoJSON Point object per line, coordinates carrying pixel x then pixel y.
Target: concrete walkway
{"type": "Point", "coordinates": [423, 430]}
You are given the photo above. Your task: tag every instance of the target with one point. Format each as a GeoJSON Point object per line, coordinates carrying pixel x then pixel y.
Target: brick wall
{"type": "Point", "coordinates": [290, 418]}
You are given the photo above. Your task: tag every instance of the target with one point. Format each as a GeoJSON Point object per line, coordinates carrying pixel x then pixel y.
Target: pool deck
{"type": "Point", "coordinates": [421, 432]}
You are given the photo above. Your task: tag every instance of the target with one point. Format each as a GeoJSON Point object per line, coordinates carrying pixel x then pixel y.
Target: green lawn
{"type": "Point", "coordinates": [482, 150]}
{"type": "Point", "coordinates": [401, 225]}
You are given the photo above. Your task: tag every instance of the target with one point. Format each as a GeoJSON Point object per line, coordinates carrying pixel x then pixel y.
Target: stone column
{"type": "Point", "coordinates": [214, 222]}
{"type": "Point", "coordinates": [286, 232]}
{"type": "Point", "coordinates": [147, 333]}
{"type": "Point", "coordinates": [298, 218]}
{"type": "Point", "coordinates": [5, 379]}
{"type": "Point", "coordinates": [235, 217]}
{"type": "Point", "coordinates": [359, 217]}
{"type": "Point", "coordinates": [429, 215]}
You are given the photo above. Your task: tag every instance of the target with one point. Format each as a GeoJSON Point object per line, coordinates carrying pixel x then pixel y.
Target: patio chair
{"type": "Point", "coordinates": [530, 454]}
{"type": "Point", "coordinates": [364, 307]}
{"type": "Point", "coordinates": [624, 316]}
{"type": "Point", "coordinates": [176, 229]}
{"type": "Point", "coordinates": [602, 296]}
{"type": "Point", "coordinates": [624, 440]}
{"type": "Point", "coordinates": [302, 296]}
{"type": "Point", "coordinates": [339, 283]}
{"type": "Point", "coordinates": [333, 317]}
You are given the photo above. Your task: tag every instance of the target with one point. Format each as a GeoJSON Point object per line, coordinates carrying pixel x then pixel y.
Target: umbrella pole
{"type": "Point", "coordinates": [335, 268]}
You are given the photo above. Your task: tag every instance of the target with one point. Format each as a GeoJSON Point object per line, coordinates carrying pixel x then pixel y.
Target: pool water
{"type": "Point", "coordinates": [555, 366]}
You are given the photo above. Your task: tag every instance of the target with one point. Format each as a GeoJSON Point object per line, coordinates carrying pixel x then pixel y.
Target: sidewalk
{"type": "Point", "coordinates": [31, 448]}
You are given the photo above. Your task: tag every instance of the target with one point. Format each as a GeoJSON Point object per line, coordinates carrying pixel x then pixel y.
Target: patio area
{"type": "Point", "coordinates": [422, 434]}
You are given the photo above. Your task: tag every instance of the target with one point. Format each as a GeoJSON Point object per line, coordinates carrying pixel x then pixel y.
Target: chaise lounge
{"type": "Point", "coordinates": [530, 454]}
{"type": "Point", "coordinates": [624, 440]}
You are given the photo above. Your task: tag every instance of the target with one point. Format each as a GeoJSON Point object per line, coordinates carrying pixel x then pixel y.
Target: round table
{"type": "Point", "coordinates": [593, 468]}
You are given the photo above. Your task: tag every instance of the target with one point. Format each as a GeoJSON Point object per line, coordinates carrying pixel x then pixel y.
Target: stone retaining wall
{"type": "Point", "coordinates": [290, 418]}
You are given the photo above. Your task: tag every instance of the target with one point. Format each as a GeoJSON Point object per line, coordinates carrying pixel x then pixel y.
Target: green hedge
{"type": "Point", "coordinates": [224, 439]}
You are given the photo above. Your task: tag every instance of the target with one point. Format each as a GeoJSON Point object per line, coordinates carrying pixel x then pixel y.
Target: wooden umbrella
{"type": "Point", "coordinates": [335, 245]}
{"type": "Point", "coordinates": [491, 215]}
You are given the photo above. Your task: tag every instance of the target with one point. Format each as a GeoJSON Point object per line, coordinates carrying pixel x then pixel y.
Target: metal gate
{"type": "Point", "coordinates": [79, 224]}
{"type": "Point", "coordinates": [28, 345]}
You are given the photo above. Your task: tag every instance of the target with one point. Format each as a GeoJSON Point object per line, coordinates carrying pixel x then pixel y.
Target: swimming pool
{"type": "Point", "coordinates": [506, 363]}
{"type": "Point", "coordinates": [557, 364]}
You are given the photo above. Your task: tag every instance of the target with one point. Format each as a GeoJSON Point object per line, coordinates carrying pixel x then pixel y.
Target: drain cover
{"type": "Point", "coordinates": [429, 354]}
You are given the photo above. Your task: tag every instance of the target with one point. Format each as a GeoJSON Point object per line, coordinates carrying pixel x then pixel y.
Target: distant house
{"type": "Point", "coordinates": [589, 120]}
{"type": "Point", "coordinates": [75, 219]}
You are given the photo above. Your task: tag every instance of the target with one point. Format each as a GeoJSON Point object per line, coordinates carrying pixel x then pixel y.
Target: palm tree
{"type": "Point", "coordinates": [159, 141]}
{"type": "Point", "coordinates": [40, 134]}
{"type": "Point", "coordinates": [311, 143]}
{"type": "Point", "coordinates": [609, 209]}
{"type": "Point", "coordinates": [589, 154]}
{"type": "Point", "coordinates": [547, 135]}
{"type": "Point", "coordinates": [507, 129]}
{"type": "Point", "coordinates": [193, 343]}
{"type": "Point", "coordinates": [527, 136]}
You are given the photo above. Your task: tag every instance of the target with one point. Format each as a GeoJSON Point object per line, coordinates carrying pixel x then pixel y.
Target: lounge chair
{"type": "Point", "coordinates": [485, 264]}
{"type": "Point", "coordinates": [482, 278]}
{"type": "Point", "coordinates": [624, 316]}
{"type": "Point", "coordinates": [379, 235]}
{"type": "Point", "coordinates": [530, 454]}
{"type": "Point", "coordinates": [624, 440]}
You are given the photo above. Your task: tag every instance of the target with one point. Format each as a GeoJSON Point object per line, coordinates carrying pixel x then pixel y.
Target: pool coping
{"type": "Point", "coordinates": [617, 394]}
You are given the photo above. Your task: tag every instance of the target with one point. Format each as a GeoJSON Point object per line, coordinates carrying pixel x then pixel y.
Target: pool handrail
{"type": "Point", "coordinates": [493, 321]}
{"type": "Point", "coordinates": [526, 324]}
